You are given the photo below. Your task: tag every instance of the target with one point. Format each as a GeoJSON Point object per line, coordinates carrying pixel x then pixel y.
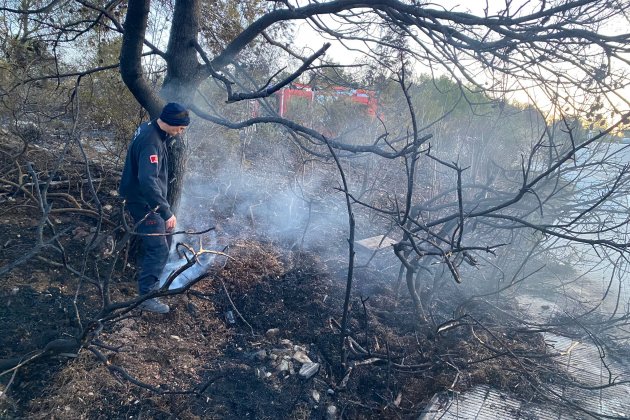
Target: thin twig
{"type": "Point", "coordinates": [235, 309]}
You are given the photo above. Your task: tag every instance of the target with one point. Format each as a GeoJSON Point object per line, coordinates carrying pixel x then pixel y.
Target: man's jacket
{"type": "Point", "coordinates": [145, 176]}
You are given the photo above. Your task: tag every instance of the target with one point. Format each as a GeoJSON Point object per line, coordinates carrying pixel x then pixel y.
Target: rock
{"type": "Point", "coordinates": [330, 391]}
{"type": "Point", "coordinates": [108, 208]}
{"type": "Point", "coordinates": [315, 395]}
{"type": "Point", "coordinates": [283, 366]}
{"type": "Point", "coordinates": [301, 357]}
{"type": "Point", "coordinates": [286, 343]}
{"type": "Point", "coordinates": [299, 348]}
{"type": "Point", "coordinates": [282, 353]}
{"type": "Point", "coordinates": [260, 355]}
{"type": "Point", "coordinates": [331, 412]}
{"type": "Point", "coordinates": [308, 370]}
{"type": "Point", "coordinates": [176, 338]}
{"type": "Point", "coordinates": [229, 317]}
{"type": "Point", "coordinates": [272, 332]}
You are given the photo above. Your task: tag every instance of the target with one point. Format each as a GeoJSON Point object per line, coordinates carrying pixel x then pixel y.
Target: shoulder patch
{"type": "Point", "coordinates": [153, 158]}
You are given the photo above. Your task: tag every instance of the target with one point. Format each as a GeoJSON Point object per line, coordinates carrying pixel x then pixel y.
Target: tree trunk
{"type": "Point", "coordinates": [181, 83]}
{"type": "Point", "coordinates": [131, 57]}
{"type": "Point", "coordinates": [183, 73]}
{"type": "Point", "coordinates": [183, 68]}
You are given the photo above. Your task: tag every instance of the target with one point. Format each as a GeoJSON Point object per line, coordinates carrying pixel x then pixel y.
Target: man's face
{"type": "Point", "coordinates": [174, 130]}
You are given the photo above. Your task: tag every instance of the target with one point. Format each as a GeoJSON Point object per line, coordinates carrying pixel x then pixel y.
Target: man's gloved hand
{"type": "Point", "coordinates": [171, 222]}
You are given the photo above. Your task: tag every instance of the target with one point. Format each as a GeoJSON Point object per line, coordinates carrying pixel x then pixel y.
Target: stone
{"type": "Point", "coordinates": [301, 357]}
{"type": "Point", "coordinates": [229, 317]}
{"type": "Point", "coordinates": [272, 332]}
{"type": "Point", "coordinates": [286, 343]}
{"type": "Point", "coordinates": [308, 370]}
{"type": "Point", "coordinates": [315, 395]}
{"type": "Point", "coordinates": [283, 366]}
{"type": "Point", "coordinates": [331, 412]}
{"type": "Point", "coordinates": [260, 355]}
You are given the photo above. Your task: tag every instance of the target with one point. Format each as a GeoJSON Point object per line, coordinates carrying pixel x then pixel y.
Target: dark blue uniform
{"type": "Point", "coordinates": [144, 185]}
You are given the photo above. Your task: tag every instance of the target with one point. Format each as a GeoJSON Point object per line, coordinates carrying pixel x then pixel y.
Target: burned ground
{"type": "Point", "coordinates": [196, 349]}
{"type": "Point", "coordinates": [233, 344]}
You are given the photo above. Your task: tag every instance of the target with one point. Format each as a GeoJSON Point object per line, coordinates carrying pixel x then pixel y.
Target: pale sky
{"type": "Point", "coordinates": [308, 39]}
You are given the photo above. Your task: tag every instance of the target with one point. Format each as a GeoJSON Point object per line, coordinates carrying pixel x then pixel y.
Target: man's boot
{"type": "Point", "coordinates": [154, 305]}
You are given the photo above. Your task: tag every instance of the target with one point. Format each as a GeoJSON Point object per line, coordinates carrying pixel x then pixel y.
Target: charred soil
{"type": "Point", "coordinates": [233, 345]}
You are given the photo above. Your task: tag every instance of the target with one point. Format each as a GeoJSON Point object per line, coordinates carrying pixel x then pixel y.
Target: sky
{"type": "Point", "coordinates": [307, 39]}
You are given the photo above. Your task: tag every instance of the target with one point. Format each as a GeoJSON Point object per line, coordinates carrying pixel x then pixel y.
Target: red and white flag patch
{"type": "Point", "coordinates": [153, 158]}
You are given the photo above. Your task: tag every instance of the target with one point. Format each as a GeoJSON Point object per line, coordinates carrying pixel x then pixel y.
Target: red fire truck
{"type": "Point", "coordinates": [289, 94]}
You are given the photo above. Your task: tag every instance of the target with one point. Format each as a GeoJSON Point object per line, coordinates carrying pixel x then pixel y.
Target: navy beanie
{"type": "Point", "coordinates": [175, 114]}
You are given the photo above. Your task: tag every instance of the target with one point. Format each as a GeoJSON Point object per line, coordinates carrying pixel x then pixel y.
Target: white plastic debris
{"type": "Point", "coordinates": [201, 267]}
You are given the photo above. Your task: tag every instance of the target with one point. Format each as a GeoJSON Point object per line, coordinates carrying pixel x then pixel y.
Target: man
{"type": "Point", "coordinates": [144, 186]}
